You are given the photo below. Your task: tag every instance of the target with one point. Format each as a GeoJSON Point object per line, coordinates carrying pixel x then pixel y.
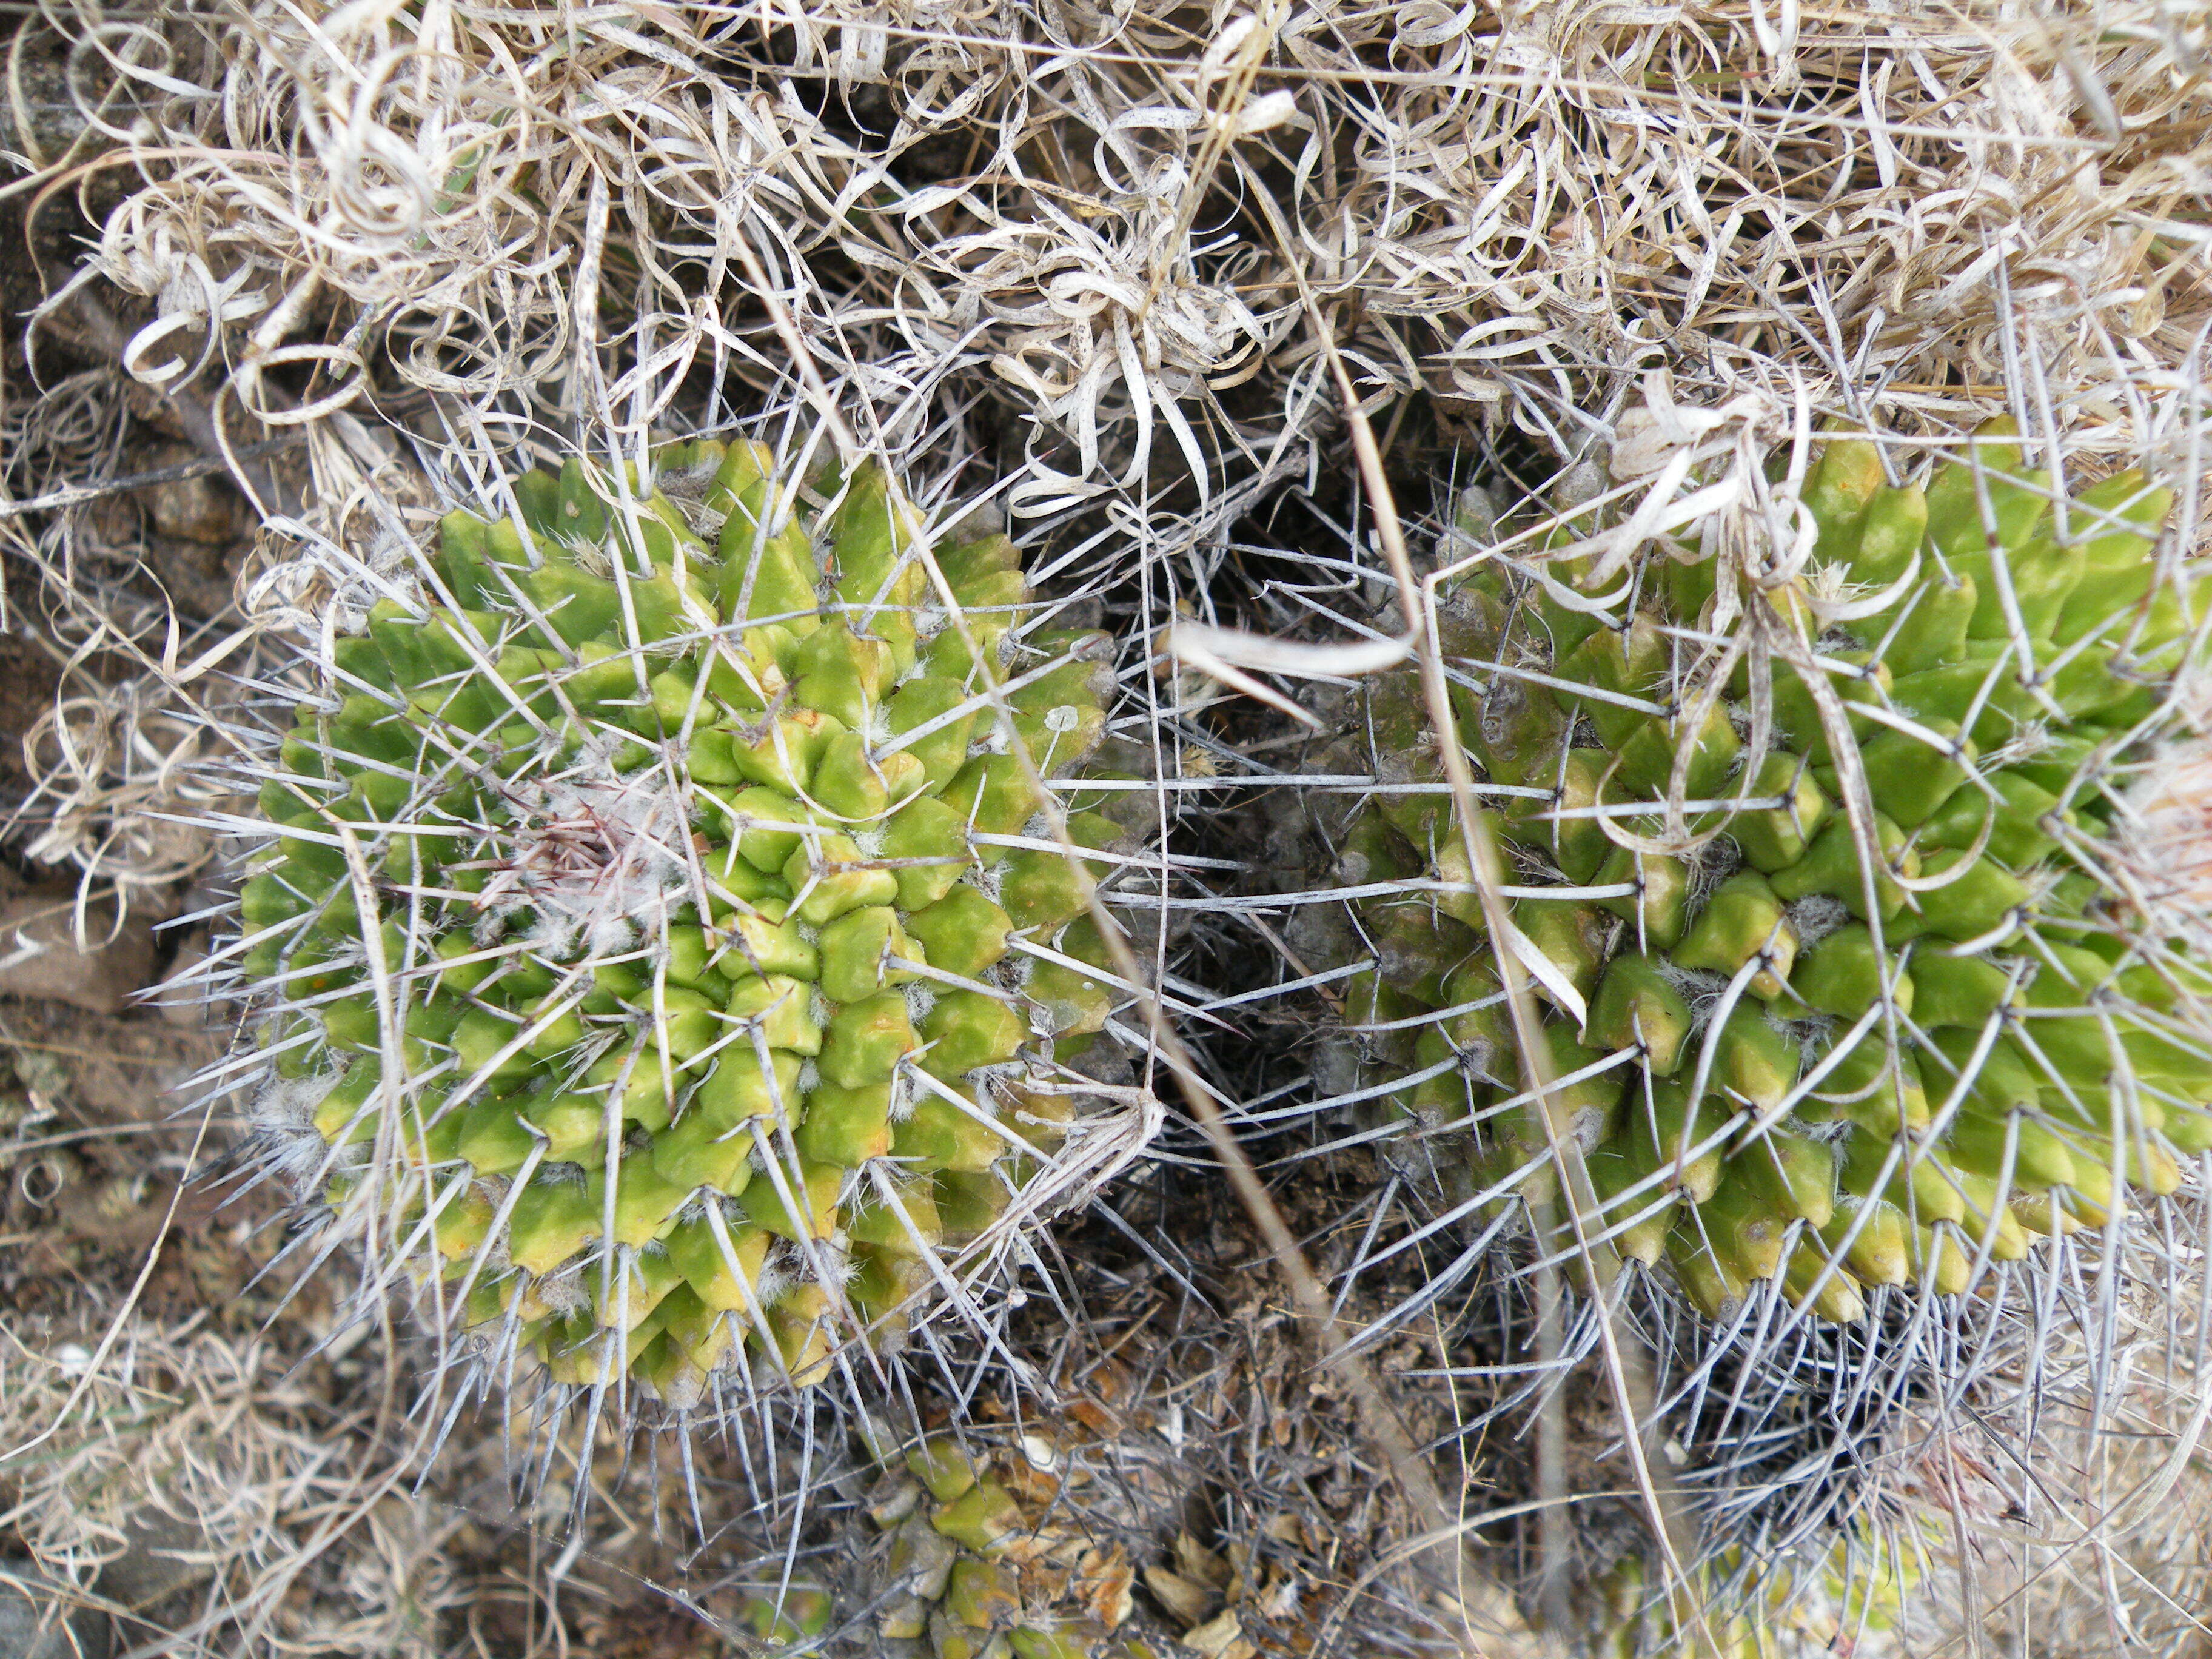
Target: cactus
{"type": "Point", "coordinates": [660, 954]}
{"type": "Point", "coordinates": [1804, 854]}
{"type": "Point", "coordinates": [969, 1559]}
{"type": "Point", "coordinates": [1731, 1608]}
{"type": "Point", "coordinates": [966, 1545]}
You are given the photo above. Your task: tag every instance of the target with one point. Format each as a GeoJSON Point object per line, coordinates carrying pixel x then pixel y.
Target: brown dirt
{"type": "Point", "coordinates": [28, 679]}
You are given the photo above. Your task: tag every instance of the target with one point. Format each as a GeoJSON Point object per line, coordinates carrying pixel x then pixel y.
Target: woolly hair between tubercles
{"type": "Point", "coordinates": [1814, 917]}
{"type": "Point", "coordinates": [1701, 988]}
{"type": "Point", "coordinates": [929, 621]}
{"type": "Point", "coordinates": [1710, 866]}
{"type": "Point", "coordinates": [904, 1095]}
{"type": "Point", "coordinates": [593, 559]}
{"type": "Point", "coordinates": [778, 1273]}
{"type": "Point", "coordinates": [686, 487]}
{"type": "Point", "coordinates": [282, 1114]}
{"type": "Point", "coordinates": [497, 1258]}
{"type": "Point", "coordinates": [563, 1175]}
{"type": "Point", "coordinates": [989, 1078]}
{"type": "Point", "coordinates": [562, 1289]}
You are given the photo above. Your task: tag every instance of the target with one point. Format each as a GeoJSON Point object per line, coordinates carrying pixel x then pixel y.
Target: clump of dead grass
{"type": "Point", "coordinates": [2082, 1528]}
{"type": "Point", "coordinates": [188, 1485]}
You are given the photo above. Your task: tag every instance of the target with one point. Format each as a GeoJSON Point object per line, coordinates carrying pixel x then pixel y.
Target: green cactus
{"type": "Point", "coordinates": [959, 1550]}
{"type": "Point", "coordinates": [1735, 1608]}
{"type": "Point", "coordinates": [648, 932]}
{"type": "Point", "coordinates": [969, 1557]}
{"type": "Point", "coordinates": [1838, 985]}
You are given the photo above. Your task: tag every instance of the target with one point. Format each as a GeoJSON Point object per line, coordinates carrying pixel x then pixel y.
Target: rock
{"type": "Point", "coordinates": [36, 1622]}
{"type": "Point", "coordinates": [47, 116]}
{"type": "Point", "coordinates": [205, 509]}
{"type": "Point", "coordinates": [158, 1560]}
{"type": "Point", "coordinates": [39, 955]}
{"type": "Point", "coordinates": [196, 575]}
{"type": "Point", "coordinates": [182, 1001]}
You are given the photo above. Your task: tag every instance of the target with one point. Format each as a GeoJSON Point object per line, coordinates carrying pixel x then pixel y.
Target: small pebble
{"type": "Point", "coordinates": [34, 1621]}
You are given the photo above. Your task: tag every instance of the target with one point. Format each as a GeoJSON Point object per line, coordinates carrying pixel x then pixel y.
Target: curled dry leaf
{"type": "Point", "coordinates": [1105, 1582]}
{"type": "Point", "coordinates": [1185, 1599]}
{"type": "Point", "coordinates": [1220, 1638]}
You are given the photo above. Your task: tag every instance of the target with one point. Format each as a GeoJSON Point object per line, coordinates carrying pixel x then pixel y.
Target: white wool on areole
{"type": "Point", "coordinates": [595, 855]}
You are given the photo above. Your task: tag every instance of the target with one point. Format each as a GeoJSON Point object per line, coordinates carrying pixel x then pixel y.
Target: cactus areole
{"type": "Point", "coordinates": [1811, 878]}
{"type": "Point", "coordinates": [662, 935]}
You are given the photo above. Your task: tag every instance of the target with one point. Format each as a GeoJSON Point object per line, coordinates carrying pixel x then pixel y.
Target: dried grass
{"type": "Point", "coordinates": [2110, 1556]}
{"type": "Point", "coordinates": [194, 1483]}
{"type": "Point", "coordinates": [2090, 1539]}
